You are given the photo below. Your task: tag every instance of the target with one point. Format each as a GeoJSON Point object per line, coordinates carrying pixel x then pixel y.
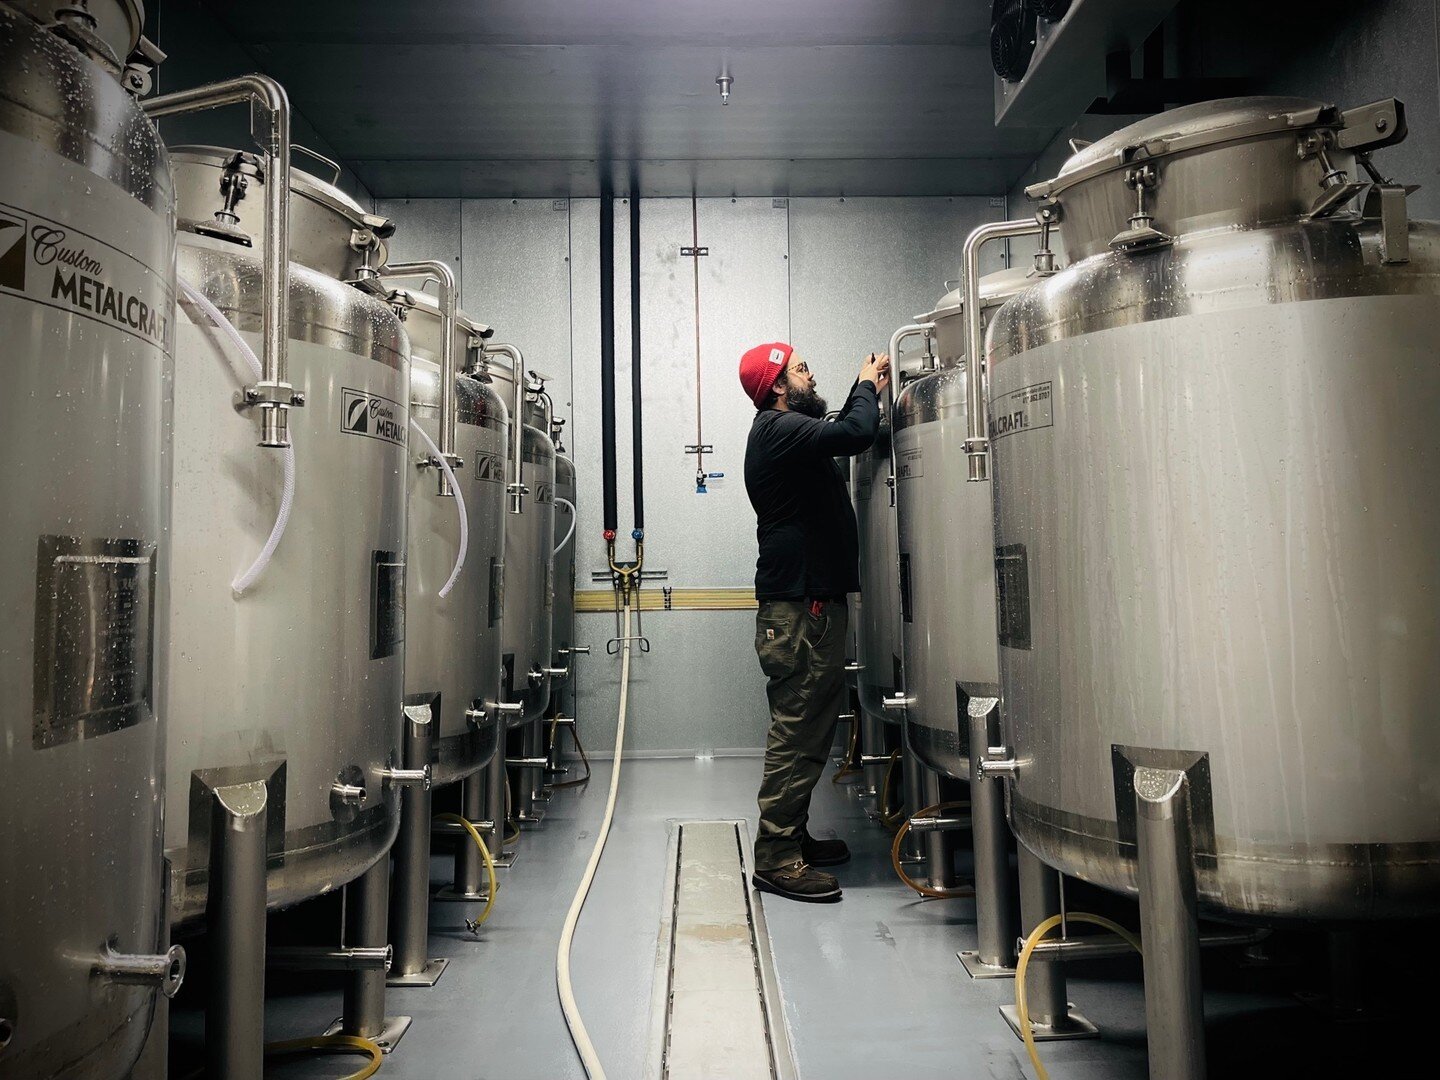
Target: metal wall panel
{"type": "Point", "coordinates": [862, 267]}
{"type": "Point", "coordinates": [427, 229]}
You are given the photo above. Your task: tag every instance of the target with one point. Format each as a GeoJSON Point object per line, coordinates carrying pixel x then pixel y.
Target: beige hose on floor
{"type": "Point", "coordinates": [588, 1058]}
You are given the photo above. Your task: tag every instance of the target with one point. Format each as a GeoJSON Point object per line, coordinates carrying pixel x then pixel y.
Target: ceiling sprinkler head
{"type": "Point", "coordinates": [724, 82]}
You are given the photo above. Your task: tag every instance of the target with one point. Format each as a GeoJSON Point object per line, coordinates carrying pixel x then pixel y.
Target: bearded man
{"type": "Point", "coordinates": [808, 564]}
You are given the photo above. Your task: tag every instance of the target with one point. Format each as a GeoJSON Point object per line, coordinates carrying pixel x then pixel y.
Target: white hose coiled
{"type": "Point", "coordinates": [586, 1049]}
{"type": "Point", "coordinates": [566, 502]}
{"type": "Point", "coordinates": [287, 455]}
{"type": "Point", "coordinates": [459, 508]}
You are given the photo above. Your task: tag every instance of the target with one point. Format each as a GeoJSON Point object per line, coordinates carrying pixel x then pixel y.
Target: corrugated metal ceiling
{"type": "Point", "coordinates": [484, 98]}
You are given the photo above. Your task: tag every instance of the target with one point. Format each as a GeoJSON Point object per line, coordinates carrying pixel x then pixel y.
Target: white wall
{"type": "Point", "coordinates": [832, 276]}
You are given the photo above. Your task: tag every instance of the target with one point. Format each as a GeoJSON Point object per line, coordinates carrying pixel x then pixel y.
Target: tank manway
{"type": "Point", "coordinates": [717, 1009]}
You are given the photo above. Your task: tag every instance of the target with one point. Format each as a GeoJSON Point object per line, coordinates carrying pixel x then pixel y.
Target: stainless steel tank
{"type": "Point", "coordinates": [877, 608]}
{"type": "Point", "coordinates": [562, 624]}
{"type": "Point", "coordinates": [529, 558]}
{"type": "Point", "coordinates": [946, 545]}
{"type": "Point", "coordinates": [86, 307]}
{"type": "Point", "coordinates": [452, 645]}
{"type": "Point", "coordinates": [1218, 538]}
{"type": "Point", "coordinates": [298, 682]}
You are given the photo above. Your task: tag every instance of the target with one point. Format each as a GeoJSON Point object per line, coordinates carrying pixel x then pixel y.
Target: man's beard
{"type": "Point", "coordinates": [807, 403]}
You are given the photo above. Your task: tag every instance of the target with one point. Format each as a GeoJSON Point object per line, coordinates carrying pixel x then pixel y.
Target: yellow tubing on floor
{"type": "Point", "coordinates": [485, 854]}
{"type": "Point", "coordinates": [1021, 1007]}
{"type": "Point", "coordinates": [335, 1044]}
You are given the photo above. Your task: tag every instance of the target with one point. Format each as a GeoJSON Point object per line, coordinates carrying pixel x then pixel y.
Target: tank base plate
{"type": "Point", "coordinates": [530, 820]}
{"type": "Point", "coordinates": [429, 975]}
{"type": "Point", "coordinates": [450, 893]}
{"type": "Point", "coordinates": [390, 1035]}
{"type": "Point", "coordinates": [1075, 1026]}
{"type": "Point", "coordinates": [506, 859]}
{"type": "Point", "coordinates": [978, 969]}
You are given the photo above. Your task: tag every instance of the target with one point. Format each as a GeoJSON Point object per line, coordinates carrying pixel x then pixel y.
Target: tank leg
{"type": "Point", "coordinates": [939, 846]}
{"type": "Point", "coordinates": [914, 849]}
{"type": "Point", "coordinates": [539, 794]}
{"type": "Point", "coordinates": [1174, 1007]}
{"type": "Point", "coordinates": [995, 923]}
{"type": "Point", "coordinates": [1045, 997]}
{"type": "Point", "coordinates": [366, 903]}
{"type": "Point", "coordinates": [872, 744]}
{"type": "Point", "coordinates": [523, 780]}
{"type": "Point", "coordinates": [235, 1013]}
{"type": "Point", "coordinates": [471, 882]}
{"type": "Point", "coordinates": [410, 906]}
{"type": "Point", "coordinates": [495, 805]}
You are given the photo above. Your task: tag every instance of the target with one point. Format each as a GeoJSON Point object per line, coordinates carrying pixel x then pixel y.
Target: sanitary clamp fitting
{"type": "Point", "coordinates": [477, 717]}
{"type": "Point", "coordinates": [899, 703]}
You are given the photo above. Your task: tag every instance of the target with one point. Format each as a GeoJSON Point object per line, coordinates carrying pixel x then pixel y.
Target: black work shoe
{"type": "Point", "coordinates": [824, 852]}
{"type": "Point", "coordinates": [798, 881]}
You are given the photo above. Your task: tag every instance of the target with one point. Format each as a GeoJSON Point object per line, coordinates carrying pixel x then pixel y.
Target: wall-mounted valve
{"type": "Point", "coordinates": [162, 971]}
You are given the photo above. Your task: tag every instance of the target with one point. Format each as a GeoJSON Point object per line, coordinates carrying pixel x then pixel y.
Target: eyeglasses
{"type": "Point", "coordinates": [801, 368]}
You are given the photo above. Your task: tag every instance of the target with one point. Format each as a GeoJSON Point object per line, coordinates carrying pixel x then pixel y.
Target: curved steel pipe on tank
{"type": "Point", "coordinates": [516, 488]}
{"type": "Point", "coordinates": [977, 400]}
{"type": "Point", "coordinates": [273, 395]}
{"type": "Point", "coordinates": [444, 278]}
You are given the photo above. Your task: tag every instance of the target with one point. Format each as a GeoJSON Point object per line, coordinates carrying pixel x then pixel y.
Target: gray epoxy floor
{"type": "Point", "coordinates": [871, 986]}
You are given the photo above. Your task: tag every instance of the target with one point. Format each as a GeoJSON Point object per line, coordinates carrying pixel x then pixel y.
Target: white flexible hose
{"type": "Point", "coordinates": [287, 454]}
{"type": "Point", "coordinates": [571, 532]}
{"type": "Point", "coordinates": [459, 508]}
{"type": "Point", "coordinates": [586, 1049]}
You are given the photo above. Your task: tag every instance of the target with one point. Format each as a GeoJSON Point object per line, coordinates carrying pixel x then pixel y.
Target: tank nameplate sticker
{"type": "Point", "coordinates": [497, 591]}
{"type": "Point", "coordinates": [489, 468]}
{"type": "Point", "coordinates": [1027, 409]}
{"type": "Point", "coordinates": [387, 604]}
{"type": "Point", "coordinates": [372, 416]}
{"type": "Point", "coordinates": [544, 494]}
{"type": "Point", "coordinates": [58, 266]}
{"type": "Point", "coordinates": [1012, 583]}
{"type": "Point", "coordinates": [94, 637]}
{"type": "Point", "coordinates": [910, 463]}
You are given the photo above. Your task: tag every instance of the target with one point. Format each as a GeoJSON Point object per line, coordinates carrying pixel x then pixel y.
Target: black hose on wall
{"type": "Point", "coordinates": [607, 358]}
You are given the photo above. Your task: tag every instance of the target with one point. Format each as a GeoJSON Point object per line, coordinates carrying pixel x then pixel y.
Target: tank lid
{"type": "Point", "coordinates": [302, 183]}
{"type": "Point", "coordinates": [118, 23]}
{"type": "Point", "coordinates": [1190, 127]}
{"type": "Point", "coordinates": [995, 289]}
{"type": "Point", "coordinates": [427, 306]}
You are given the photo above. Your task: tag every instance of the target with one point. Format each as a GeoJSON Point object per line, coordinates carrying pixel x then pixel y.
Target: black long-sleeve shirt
{"type": "Point", "coordinates": [809, 547]}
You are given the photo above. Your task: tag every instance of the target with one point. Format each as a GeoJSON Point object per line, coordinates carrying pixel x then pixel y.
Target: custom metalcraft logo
{"type": "Point", "coordinates": [490, 468]}
{"type": "Point", "coordinates": [59, 267]}
{"type": "Point", "coordinates": [373, 416]}
{"type": "Point", "coordinates": [12, 252]}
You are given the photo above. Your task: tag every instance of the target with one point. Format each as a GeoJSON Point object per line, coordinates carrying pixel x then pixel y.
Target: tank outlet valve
{"type": "Point", "coordinates": [163, 971]}
{"type": "Point", "coordinates": [998, 764]}
{"type": "Point", "coordinates": [899, 703]}
{"type": "Point", "coordinates": [933, 823]}
{"type": "Point", "coordinates": [348, 794]}
{"type": "Point", "coordinates": [556, 672]}
{"type": "Point", "coordinates": [851, 667]}
{"type": "Point", "coordinates": [407, 777]}
{"type": "Point", "coordinates": [874, 759]}
{"type": "Point", "coordinates": [562, 721]}
{"type": "Point", "coordinates": [577, 650]}
{"type": "Point", "coordinates": [533, 763]}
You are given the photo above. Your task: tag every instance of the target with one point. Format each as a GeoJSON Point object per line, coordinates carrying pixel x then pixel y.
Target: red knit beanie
{"type": "Point", "coordinates": [761, 368]}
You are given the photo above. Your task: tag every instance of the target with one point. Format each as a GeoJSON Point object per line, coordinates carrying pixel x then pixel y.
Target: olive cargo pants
{"type": "Point", "coordinates": [804, 657]}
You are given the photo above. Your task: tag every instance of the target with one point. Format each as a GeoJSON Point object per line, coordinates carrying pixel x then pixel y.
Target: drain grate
{"type": "Point", "coordinates": [722, 1015]}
